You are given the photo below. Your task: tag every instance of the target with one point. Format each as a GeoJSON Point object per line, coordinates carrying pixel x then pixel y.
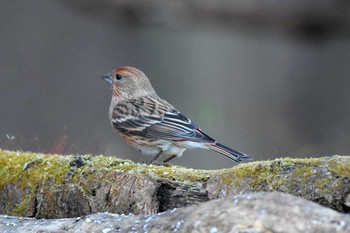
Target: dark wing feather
{"type": "Point", "coordinates": [176, 126]}
{"type": "Point", "coordinates": [155, 118]}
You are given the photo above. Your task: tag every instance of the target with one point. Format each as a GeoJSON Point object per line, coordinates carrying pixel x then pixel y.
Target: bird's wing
{"type": "Point", "coordinates": [155, 118]}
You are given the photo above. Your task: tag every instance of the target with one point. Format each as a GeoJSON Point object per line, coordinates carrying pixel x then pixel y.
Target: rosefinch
{"type": "Point", "coordinates": [152, 125]}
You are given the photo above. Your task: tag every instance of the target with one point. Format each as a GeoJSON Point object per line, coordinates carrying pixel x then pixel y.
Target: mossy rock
{"type": "Point", "coordinates": [54, 186]}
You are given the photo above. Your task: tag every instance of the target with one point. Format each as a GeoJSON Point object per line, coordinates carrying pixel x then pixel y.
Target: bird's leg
{"type": "Point", "coordinates": [156, 157]}
{"type": "Point", "coordinates": [170, 158]}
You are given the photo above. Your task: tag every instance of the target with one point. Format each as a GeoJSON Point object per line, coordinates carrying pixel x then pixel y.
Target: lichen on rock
{"type": "Point", "coordinates": [56, 186]}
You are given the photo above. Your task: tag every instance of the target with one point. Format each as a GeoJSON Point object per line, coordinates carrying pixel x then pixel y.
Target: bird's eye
{"type": "Point", "coordinates": [118, 76]}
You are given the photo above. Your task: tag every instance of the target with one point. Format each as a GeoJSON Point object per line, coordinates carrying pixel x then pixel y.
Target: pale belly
{"type": "Point", "coordinates": [152, 147]}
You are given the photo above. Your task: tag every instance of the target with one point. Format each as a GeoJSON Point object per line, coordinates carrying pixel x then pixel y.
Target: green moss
{"type": "Point", "coordinates": [340, 165]}
{"type": "Point", "coordinates": [269, 175]}
{"type": "Point", "coordinates": [29, 171]}
{"type": "Point", "coordinates": [296, 176]}
{"type": "Point", "coordinates": [24, 206]}
{"type": "Point", "coordinates": [32, 170]}
{"type": "Point", "coordinates": [178, 173]}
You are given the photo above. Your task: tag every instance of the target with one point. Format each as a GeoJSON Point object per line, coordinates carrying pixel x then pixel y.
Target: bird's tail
{"type": "Point", "coordinates": [228, 152]}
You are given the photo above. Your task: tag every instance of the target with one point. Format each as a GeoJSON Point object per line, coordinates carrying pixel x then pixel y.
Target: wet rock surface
{"type": "Point", "coordinates": [256, 212]}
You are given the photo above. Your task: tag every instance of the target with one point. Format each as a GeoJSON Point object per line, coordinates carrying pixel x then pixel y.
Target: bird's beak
{"type": "Point", "coordinates": [108, 78]}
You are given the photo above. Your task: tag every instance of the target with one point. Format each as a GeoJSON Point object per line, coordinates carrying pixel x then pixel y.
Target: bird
{"type": "Point", "coordinates": [152, 125]}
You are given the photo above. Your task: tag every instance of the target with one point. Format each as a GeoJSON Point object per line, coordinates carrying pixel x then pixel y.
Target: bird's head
{"type": "Point", "coordinates": [128, 82]}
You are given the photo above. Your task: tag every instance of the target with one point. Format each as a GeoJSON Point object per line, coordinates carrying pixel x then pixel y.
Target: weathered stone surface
{"type": "Point", "coordinates": [253, 213]}
{"type": "Point", "coordinates": [325, 181]}
{"type": "Point", "coordinates": [53, 186]}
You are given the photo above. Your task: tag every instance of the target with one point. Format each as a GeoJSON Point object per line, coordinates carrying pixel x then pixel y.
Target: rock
{"type": "Point", "coordinates": [54, 186]}
{"type": "Point", "coordinates": [251, 213]}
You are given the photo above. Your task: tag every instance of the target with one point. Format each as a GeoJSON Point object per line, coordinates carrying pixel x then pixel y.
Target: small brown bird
{"type": "Point", "coordinates": [152, 125]}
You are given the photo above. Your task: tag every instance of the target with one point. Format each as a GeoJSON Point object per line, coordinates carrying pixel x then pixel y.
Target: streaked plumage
{"type": "Point", "coordinates": [152, 125]}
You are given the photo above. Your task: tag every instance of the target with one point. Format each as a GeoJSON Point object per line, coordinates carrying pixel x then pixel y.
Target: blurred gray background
{"type": "Point", "coordinates": [267, 80]}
